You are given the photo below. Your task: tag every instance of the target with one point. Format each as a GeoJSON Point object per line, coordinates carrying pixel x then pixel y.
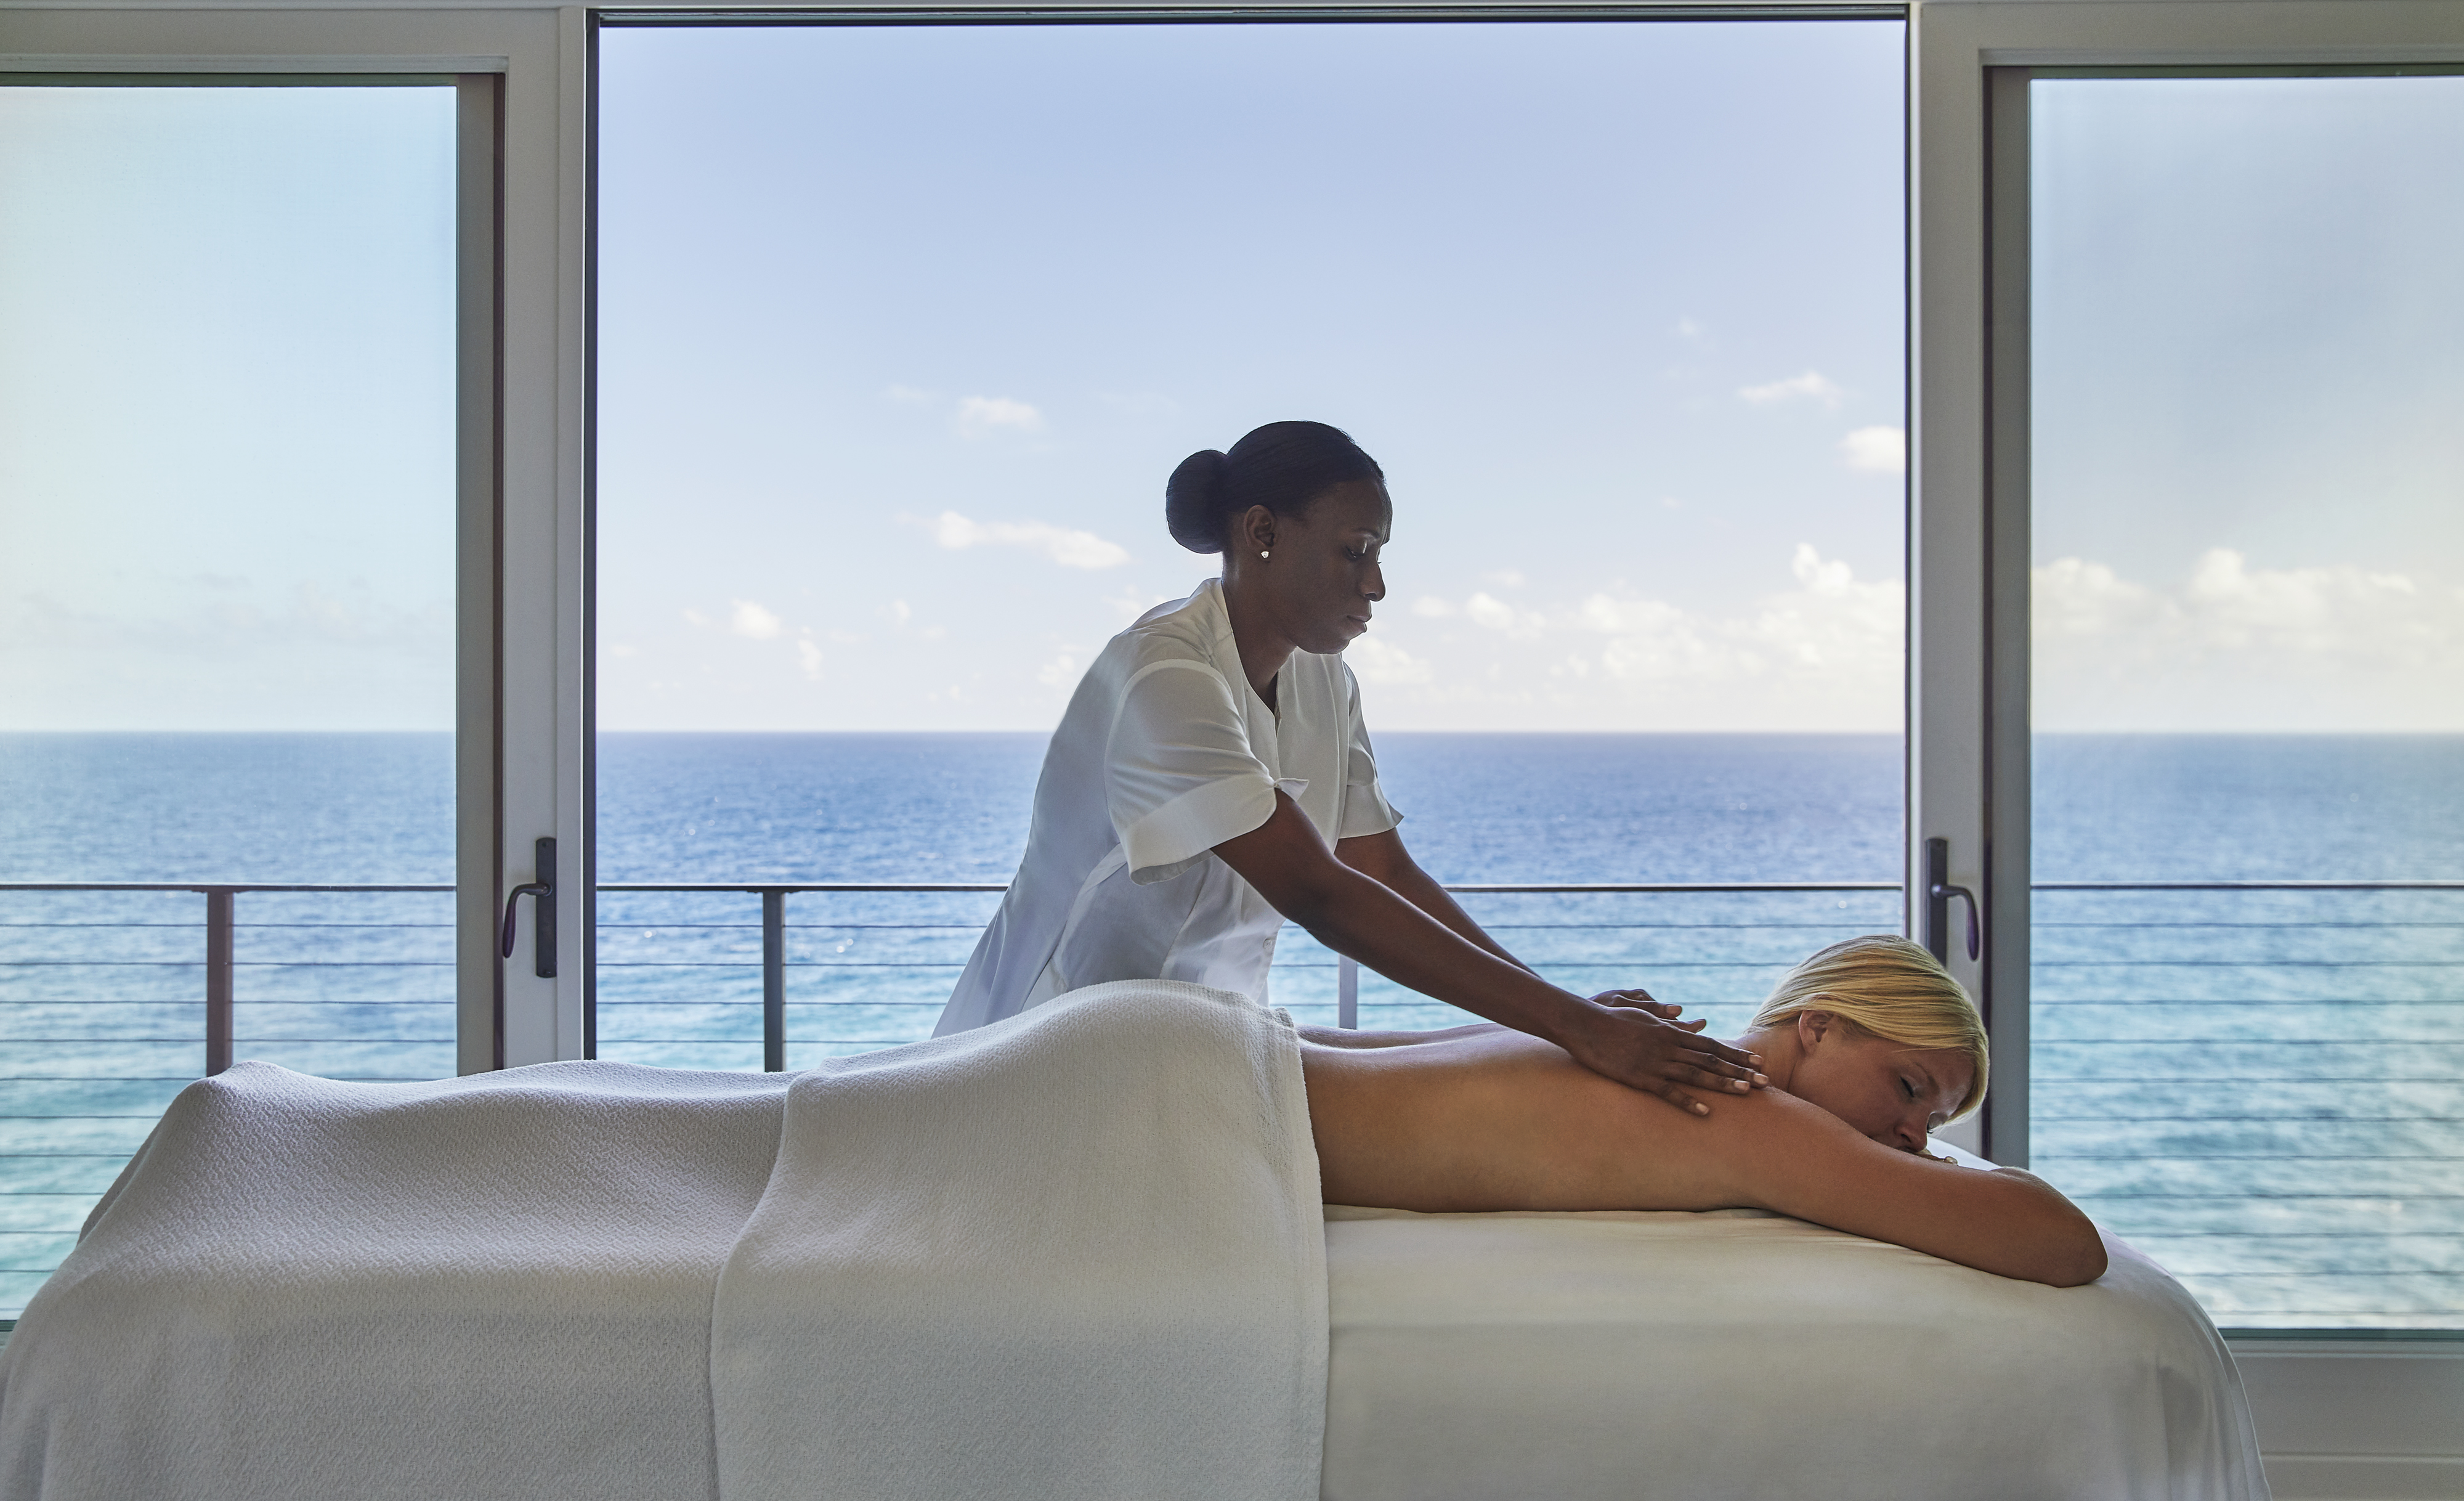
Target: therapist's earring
{"type": "Point", "coordinates": [1262, 554]}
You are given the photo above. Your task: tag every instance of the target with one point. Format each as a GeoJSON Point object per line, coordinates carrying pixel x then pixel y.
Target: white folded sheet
{"type": "Point", "coordinates": [1075, 1254]}
{"type": "Point", "coordinates": [498, 1286]}
{"type": "Point", "coordinates": [1740, 1355]}
{"type": "Point", "coordinates": [1078, 1253]}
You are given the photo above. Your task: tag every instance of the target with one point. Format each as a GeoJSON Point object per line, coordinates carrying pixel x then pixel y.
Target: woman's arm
{"type": "Point", "coordinates": [1358, 916]}
{"type": "Point", "coordinates": [1804, 1162]}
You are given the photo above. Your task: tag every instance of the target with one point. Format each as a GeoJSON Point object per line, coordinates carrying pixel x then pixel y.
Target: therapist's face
{"type": "Point", "coordinates": [1325, 574]}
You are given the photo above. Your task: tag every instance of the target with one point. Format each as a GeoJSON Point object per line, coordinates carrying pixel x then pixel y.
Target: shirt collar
{"type": "Point", "coordinates": [1227, 649]}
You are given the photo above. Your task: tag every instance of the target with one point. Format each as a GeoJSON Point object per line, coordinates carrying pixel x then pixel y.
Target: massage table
{"type": "Point", "coordinates": [1079, 1253]}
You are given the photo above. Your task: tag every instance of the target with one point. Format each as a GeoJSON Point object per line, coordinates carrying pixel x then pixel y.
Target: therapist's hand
{"type": "Point", "coordinates": [1640, 1000]}
{"type": "Point", "coordinates": [1627, 1038]}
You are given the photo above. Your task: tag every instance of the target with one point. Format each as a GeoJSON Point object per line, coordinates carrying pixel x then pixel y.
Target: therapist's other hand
{"type": "Point", "coordinates": [1631, 1043]}
{"type": "Point", "coordinates": [1640, 1000]}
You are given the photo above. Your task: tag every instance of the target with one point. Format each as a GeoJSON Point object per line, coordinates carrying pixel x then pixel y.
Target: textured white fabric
{"type": "Point", "coordinates": [1078, 1253]}
{"type": "Point", "coordinates": [1165, 752]}
{"type": "Point", "coordinates": [1743, 1357]}
{"type": "Point", "coordinates": [1075, 1255]}
{"type": "Point", "coordinates": [498, 1286]}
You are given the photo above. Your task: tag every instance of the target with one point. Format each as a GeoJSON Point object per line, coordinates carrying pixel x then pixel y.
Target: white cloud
{"type": "Point", "coordinates": [1431, 607]}
{"type": "Point", "coordinates": [212, 653]}
{"type": "Point", "coordinates": [896, 611]}
{"type": "Point", "coordinates": [1876, 450]}
{"type": "Point", "coordinates": [1620, 617]}
{"type": "Point", "coordinates": [695, 617]}
{"type": "Point", "coordinates": [2226, 605]}
{"type": "Point", "coordinates": [1832, 623]}
{"type": "Point", "coordinates": [810, 656]}
{"type": "Point", "coordinates": [1063, 545]}
{"type": "Point", "coordinates": [911, 396]}
{"type": "Point", "coordinates": [1833, 638]}
{"type": "Point", "coordinates": [1688, 328]}
{"type": "Point", "coordinates": [752, 619]}
{"type": "Point", "coordinates": [2234, 647]}
{"type": "Point", "coordinates": [1495, 614]}
{"type": "Point", "coordinates": [1131, 602]}
{"type": "Point", "coordinates": [1375, 661]}
{"type": "Point", "coordinates": [983, 416]}
{"type": "Point", "coordinates": [1812, 385]}
{"type": "Point", "coordinates": [2073, 597]}
{"type": "Point", "coordinates": [1059, 672]}
{"type": "Point", "coordinates": [1507, 578]}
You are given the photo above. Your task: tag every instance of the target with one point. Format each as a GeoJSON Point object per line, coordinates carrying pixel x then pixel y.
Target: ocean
{"type": "Point", "coordinates": [2263, 1089]}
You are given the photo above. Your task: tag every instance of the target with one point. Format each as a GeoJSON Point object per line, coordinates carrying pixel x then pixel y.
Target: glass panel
{"type": "Point", "coordinates": [225, 605]}
{"type": "Point", "coordinates": [903, 329]}
{"type": "Point", "coordinates": [2249, 668]}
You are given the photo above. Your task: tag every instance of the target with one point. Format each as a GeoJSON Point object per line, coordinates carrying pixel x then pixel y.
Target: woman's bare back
{"type": "Point", "coordinates": [1499, 1121]}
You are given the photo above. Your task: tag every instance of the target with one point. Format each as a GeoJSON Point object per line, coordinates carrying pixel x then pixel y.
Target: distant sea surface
{"type": "Point", "coordinates": [2186, 1045]}
{"type": "Point", "coordinates": [1479, 808]}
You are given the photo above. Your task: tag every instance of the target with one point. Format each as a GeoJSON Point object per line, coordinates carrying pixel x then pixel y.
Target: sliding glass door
{"type": "Point", "coordinates": [2246, 567]}
{"type": "Point", "coordinates": [229, 522]}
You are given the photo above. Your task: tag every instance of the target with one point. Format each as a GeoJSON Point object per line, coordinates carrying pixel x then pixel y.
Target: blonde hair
{"type": "Point", "coordinates": [1889, 987]}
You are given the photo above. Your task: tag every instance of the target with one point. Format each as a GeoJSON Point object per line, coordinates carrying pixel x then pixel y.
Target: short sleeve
{"type": "Point", "coordinates": [1179, 774]}
{"type": "Point", "coordinates": [1365, 808]}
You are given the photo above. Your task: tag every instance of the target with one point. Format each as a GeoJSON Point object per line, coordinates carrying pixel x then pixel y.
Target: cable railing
{"type": "Point", "coordinates": [2259, 1082]}
{"type": "Point", "coordinates": [2261, 1085]}
{"type": "Point", "coordinates": [775, 961]}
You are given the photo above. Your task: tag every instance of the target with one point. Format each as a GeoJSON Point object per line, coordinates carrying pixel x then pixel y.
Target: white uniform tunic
{"type": "Point", "coordinates": [1166, 752]}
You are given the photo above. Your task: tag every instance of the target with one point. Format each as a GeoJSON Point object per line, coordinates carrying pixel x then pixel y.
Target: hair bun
{"type": "Point", "coordinates": [1192, 501]}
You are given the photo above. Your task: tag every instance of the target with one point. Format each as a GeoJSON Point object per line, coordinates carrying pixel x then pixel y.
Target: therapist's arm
{"type": "Point", "coordinates": [1383, 859]}
{"type": "Point", "coordinates": [1358, 916]}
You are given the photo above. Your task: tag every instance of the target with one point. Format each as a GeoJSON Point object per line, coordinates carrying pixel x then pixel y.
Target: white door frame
{"type": "Point", "coordinates": [2337, 1416]}
{"type": "Point", "coordinates": [525, 739]}
{"type": "Point", "coordinates": [520, 725]}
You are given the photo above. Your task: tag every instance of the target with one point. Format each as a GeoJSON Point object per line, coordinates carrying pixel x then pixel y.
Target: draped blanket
{"type": "Point", "coordinates": [1076, 1253]}
{"type": "Point", "coordinates": [497, 1285]}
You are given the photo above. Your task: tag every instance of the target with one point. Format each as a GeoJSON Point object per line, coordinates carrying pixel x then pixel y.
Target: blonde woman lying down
{"type": "Point", "coordinates": [1868, 1046]}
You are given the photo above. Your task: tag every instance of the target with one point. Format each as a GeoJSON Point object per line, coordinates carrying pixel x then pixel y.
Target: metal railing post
{"type": "Point", "coordinates": [1346, 993]}
{"type": "Point", "coordinates": [774, 981]}
{"type": "Point", "coordinates": [218, 979]}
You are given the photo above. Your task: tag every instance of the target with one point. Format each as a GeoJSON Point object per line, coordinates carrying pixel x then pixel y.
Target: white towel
{"type": "Point", "coordinates": [1077, 1253]}
{"type": "Point", "coordinates": [498, 1286]}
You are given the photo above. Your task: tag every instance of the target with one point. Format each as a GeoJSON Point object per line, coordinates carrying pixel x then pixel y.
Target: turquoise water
{"type": "Point", "coordinates": [2262, 1088]}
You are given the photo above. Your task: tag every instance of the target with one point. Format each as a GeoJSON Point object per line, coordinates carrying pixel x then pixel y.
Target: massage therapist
{"type": "Point", "coordinates": [1212, 778]}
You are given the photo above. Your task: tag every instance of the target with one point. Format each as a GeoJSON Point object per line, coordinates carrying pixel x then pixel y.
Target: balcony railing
{"type": "Point", "coordinates": [2259, 1082]}
{"type": "Point", "coordinates": [935, 947]}
{"type": "Point", "coordinates": [2261, 1085]}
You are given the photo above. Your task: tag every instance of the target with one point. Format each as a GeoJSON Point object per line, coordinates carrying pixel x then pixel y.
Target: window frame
{"type": "Point", "coordinates": [518, 213]}
{"type": "Point", "coordinates": [2339, 1413]}
{"type": "Point", "coordinates": [2359, 1416]}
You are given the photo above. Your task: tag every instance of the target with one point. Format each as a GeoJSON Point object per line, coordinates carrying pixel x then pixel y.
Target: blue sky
{"type": "Point", "coordinates": [904, 328]}
{"type": "Point", "coordinates": [2249, 445]}
{"type": "Point", "coordinates": [226, 408]}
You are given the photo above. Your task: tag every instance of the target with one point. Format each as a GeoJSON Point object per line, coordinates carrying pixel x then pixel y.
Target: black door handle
{"type": "Point", "coordinates": [1938, 894]}
{"type": "Point", "coordinates": [542, 888]}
